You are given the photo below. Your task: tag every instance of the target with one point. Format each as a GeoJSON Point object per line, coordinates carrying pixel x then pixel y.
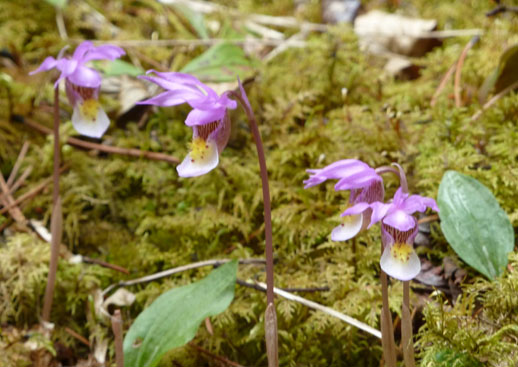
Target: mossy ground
{"type": "Point", "coordinates": [140, 215]}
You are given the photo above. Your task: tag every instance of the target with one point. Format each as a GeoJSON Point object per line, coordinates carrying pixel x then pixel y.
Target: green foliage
{"type": "Point", "coordinates": [474, 224]}
{"type": "Point", "coordinates": [173, 318]}
{"type": "Point", "coordinates": [479, 329]}
{"type": "Point", "coordinates": [315, 105]}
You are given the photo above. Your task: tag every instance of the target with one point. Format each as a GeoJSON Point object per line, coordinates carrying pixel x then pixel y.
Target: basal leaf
{"type": "Point", "coordinates": [118, 67]}
{"type": "Point", "coordinates": [196, 19]}
{"type": "Point", "coordinates": [220, 63]}
{"type": "Point", "coordinates": [474, 224]}
{"type": "Point", "coordinates": [58, 3]}
{"type": "Point", "coordinates": [173, 318]}
{"type": "Point", "coordinates": [503, 76]}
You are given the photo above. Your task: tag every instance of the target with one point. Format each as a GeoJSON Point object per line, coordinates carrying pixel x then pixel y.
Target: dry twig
{"type": "Point", "coordinates": [106, 148]}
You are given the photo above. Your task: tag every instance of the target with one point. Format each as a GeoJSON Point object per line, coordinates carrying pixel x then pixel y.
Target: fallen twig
{"type": "Point", "coordinates": [21, 180]}
{"type": "Point", "coordinates": [460, 63]}
{"type": "Point", "coordinates": [77, 336]}
{"type": "Point", "coordinates": [33, 192]}
{"type": "Point", "coordinates": [194, 42]}
{"type": "Point", "coordinates": [290, 290]}
{"type": "Point", "coordinates": [442, 84]}
{"type": "Point", "coordinates": [17, 164]}
{"type": "Point", "coordinates": [179, 269]}
{"type": "Point", "coordinates": [348, 319]}
{"type": "Point", "coordinates": [492, 101]}
{"type": "Point", "coordinates": [502, 9]}
{"type": "Point", "coordinates": [106, 148]}
{"type": "Point", "coordinates": [89, 260]}
{"type": "Point", "coordinates": [428, 219]}
{"type": "Point", "coordinates": [9, 203]}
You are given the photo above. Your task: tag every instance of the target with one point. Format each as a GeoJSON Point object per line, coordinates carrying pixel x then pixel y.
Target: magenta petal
{"type": "Point", "coordinates": [243, 94]}
{"type": "Point", "coordinates": [417, 203]}
{"type": "Point", "coordinates": [201, 117]}
{"type": "Point", "coordinates": [379, 210]}
{"type": "Point", "coordinates": [47, 64]}
{"type": "Point", "coordinates": [166, 99]}
{"type": "Point", "coordinates": [356, 209]}
{"type": "Point", "coordinates": [82, 49]}
{"type": "Point", "coordinates": [399, 220]}
{"type": "Point", "coordinates": [85, 77]}
{"type": "Point", "coordinates": [105, 52]}
{"type": "Point", "coordinates": [173, 85]}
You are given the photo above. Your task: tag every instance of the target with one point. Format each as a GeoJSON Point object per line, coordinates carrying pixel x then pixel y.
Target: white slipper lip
{"type": "Point", "coordinates": [91, 128]}
{"type": "Point", "coordinates": [348, 229]}
{"type": "Point", "coordinates": [192, 168]}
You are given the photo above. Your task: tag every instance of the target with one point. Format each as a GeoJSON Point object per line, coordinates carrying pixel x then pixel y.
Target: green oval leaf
{"type": "Point", "coordinates": [222, 62]}
{"type": "Point", "coordinates": [476, 227]}
{"type": "Point", "coordinates": [173, 318]}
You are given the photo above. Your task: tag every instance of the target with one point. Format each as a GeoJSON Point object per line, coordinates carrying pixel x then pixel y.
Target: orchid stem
{"type": "Point", "coordinates": [406, 328]}
{"type": "Point", "coordinates": [272, 348]}
{"type": "Point", "coordinates": [387, 328]}
{"type": "Point", "coordinates": [116, 321]}
{"type": "Point", "coordinates": [56, 219]}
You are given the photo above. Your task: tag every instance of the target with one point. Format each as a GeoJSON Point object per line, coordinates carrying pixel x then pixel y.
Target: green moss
{"type": "Point", "coordinates": [317, 104]}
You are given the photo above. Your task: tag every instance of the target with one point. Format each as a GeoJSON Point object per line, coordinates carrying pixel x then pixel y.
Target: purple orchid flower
{"type": "Point", "coordinates": [83, 84]}
{"type": "Point", "coordinates": [399, 228]}
{"type": "Point", "coordinates": [208, 118]}
{"type": "Point", "coordinates": [366, 187]}
{"type": "Point", "coordinates": [399, 259]}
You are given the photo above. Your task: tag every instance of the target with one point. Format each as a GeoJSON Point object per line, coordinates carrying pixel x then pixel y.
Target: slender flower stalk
{"type": "Point", "coordinates": [211, 130]}
{"type": "Point", "coordinates": [82, 86]}
{"type": "Point", "coordinates": [271, 318]}
{"type": "Point", "coordinates": [56, 226]}
{"type": "Point", "coordinates": [398, 229]}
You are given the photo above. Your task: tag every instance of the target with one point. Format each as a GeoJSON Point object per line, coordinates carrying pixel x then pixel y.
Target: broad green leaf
{"type": "Point", "coordinates": [118, 67]}
{"type": "Point", "coordinates": [58, 3]}
{"type": "Point", "coordinates": [196, 19]}
{"type": "Point", "coordinates": [503, 76]}
{"type": "Point", "coordinates": [220, 63]}
{"type": "Point", "coordinates": [173, 318]}
{"type": "Point", "coordinates": [474, 224]}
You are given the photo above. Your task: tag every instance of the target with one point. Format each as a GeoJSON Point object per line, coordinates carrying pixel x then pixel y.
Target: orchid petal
{"type": "Point", "coordinates": [192, 168]}
{"type": "Point", "coordinates": [85, 77]}
{"type": "Point", "coordinates": [400, 220]}
{"type": "Point", "coordinates": [47, 64]}
{"type": "Point", "coordinates": [402, 270]}
{"type": "Point", "coordinates": [356, 209]}
{"type": "Point", "coordinates": [417, 203]}
{"type": "Point", "coordinates": [347, 230]}
{"type": "Point", "coordinates": [94, 128]}
{"type": "Point", "coordinates": [201, 117]}
{"type": "Point", "coordinates": [379, 210]}
{"type": "Point", "coordinates": [105, 52]}
{"type": "Point", "coordinates": [166, 99]}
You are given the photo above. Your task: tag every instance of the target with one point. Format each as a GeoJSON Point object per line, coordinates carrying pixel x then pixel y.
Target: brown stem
{"type": "Point", "coordinates": [406, 328]}
{"type": "Point", "coordinates": [266, 197]}
{"type": "Point", "coordinates": [33, 192]}
{"type": "Point", "coordinates": [460, 63]}
{"type": "Point", "coordinates": [387, 329]}
{"type": "Point", "coordinates": [442, 84]}
{"type": "Point", "coordinates": [106, 148]}
{"type": "Point", "coordinates": [270, 316]}
{"type": "Point", "coordinates": [117, 332]}
{"type": "Point", "coordinates": [56, 219]}
{"type": "Point", "coordinates": [18, 163]}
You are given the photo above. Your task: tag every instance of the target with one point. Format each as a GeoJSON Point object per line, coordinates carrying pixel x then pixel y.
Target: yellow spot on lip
{"type": "Point", "coordinates": [200, 149]}
{"type": "Point", "coordinates": [401, 252]}
{"type": "Point", "coordinates": [89, 109]}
